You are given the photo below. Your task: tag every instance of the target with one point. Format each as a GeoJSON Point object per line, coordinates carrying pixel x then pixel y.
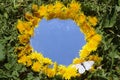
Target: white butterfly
{"type": "Point", "coordinates": [84, 66]}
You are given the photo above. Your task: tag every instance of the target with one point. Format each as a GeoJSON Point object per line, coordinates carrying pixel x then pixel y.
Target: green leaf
{"type": "Point", "coordinates": [117, 56]}
{"type": "Point", "coordinates": [2, 74]}
{"type": "Point", "coordinates": [18, 66]}
{"type": "Point", "coordinates": [15, 73]}
{"type": "Point", "coordinates": [118, 8]}
{"type": "Point", "coordinates": [113, 19]}
{"type": "Point", "coordinates": [23, 69]}
{"type": "Point", "coordinates": [119, 2]}
{"type": "Point", "coordinates": [106, 22]}
{"type": "Point", "coordinates": [8, 66]}
{"type": "Point", "coordinates": [2, 54]}
{"type": "Point", "coordinates": [101, 78]}
{"type": "Point", "coordinates": [37, 78]}
{"type": "Point", "coordinates": [6, 15]}
{"type": "Point", "coordinates": [30, 76]}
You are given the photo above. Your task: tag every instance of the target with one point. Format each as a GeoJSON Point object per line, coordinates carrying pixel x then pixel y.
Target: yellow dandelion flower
{"type": "Point", "coordinates": [30, 32]}
{"type": "Point", "coordinates": [67, 72]}
{"type": "Point", "coordinates": [80, 19]}
{"type": "Point", "coordinates": [21, 53]}
{"type": "Point", "coordinates": [68, 13]}
{"type": "Point", "coordinates": [61, 69]}
{"type": "Point", "coordinates": [58, 5]}
{"type": "Point", "coordinates": [50, 16]}
{"type": "Point", "coordinates": [91, 45]}
{"type": "Point", "coordinates": [90, 34]}
{"type": "Point", "coordinates": [34, 7]}
{"type": "Point", "coordinates": [23, 59]}
{"type": "Point", "coordinates": [59, 14]}
{"type": "Point", "coordinates": [28, 16]}
{"type": "Point", "coordinates": [85, 28]}
{"type": "Point", "coordinates": [35, 21]}
{"type": "Point", "coordinates": [50, 8]}
{"type": "Point", "coordinates": [75, 6]}
{"type": "Point", "coordinates": [28, 48]}
{"type": "Point", "coordinates": [50, 72]}
{"type": "Point", "coordinates": [93, 20]}
{"type": "Point", "coordinates": [50, 11]}
{"type": "Point", "coordinates": [19, 49]}
{"type": "Point", "coordinates": [55, 11]}
{"type": "Point", "coordinates": [20, 26]}
{"type": "Point", "coordinates": [28, 62]}
{"type": "Point", "coordinates": [24, 27]}
{"type": "Point", "coordinates": [42, 11]}
{"type": "Point", "coordinates": [37, 14]}
{"type": "Point", "coordinates": [84, 53]}
{"type": "Point", "coordinates": [97, 38]}
{"type": "Point", "coordinates": [95, 58]}
{"type": "Point", "coordinates": [27, 25]}
{"type": "Point", "coordinates": [36, 66]}
{"type": "Point", "coordinates": [25, 51]}
{"type": "Point", "coordinates": [36, 56]}
{"type": "Point", "coordinates": [55, 67]}
{"type": "Point", "coordinates": [47, 61]}
{"type": "Point", "coordinates": [70, 72]}
{"type": "Point", "coordinates": [24, 39]}
{"type": "Point", "coordinates": [78, 60]}
{"type": "Point", "coordinates": [92, 69]}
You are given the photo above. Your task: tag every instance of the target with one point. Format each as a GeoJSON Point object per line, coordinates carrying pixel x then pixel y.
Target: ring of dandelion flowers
{"type": "Point", "coordinates": [38, 63]}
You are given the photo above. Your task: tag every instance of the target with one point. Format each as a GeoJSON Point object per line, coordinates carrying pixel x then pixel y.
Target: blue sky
{"type": "Point", "coordinates": [59, 40]}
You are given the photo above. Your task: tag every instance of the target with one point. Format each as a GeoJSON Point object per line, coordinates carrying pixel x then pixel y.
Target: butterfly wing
{"type": "Point", "coordinates": [84, 66]}
{"type": "Point", "coordinates": [77, 66]}
{"type": "Point", "coordinates": [81, 69]}
{"type": "Point", "coordinates": [88, 64]}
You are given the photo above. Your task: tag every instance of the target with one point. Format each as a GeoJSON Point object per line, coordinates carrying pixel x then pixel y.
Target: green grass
{"type": "Point", "coordinates": [108, 13]}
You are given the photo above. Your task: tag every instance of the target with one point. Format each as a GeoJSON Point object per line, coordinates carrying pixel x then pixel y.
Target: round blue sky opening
{"type": "Point", "coordinates": [58, 39]}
